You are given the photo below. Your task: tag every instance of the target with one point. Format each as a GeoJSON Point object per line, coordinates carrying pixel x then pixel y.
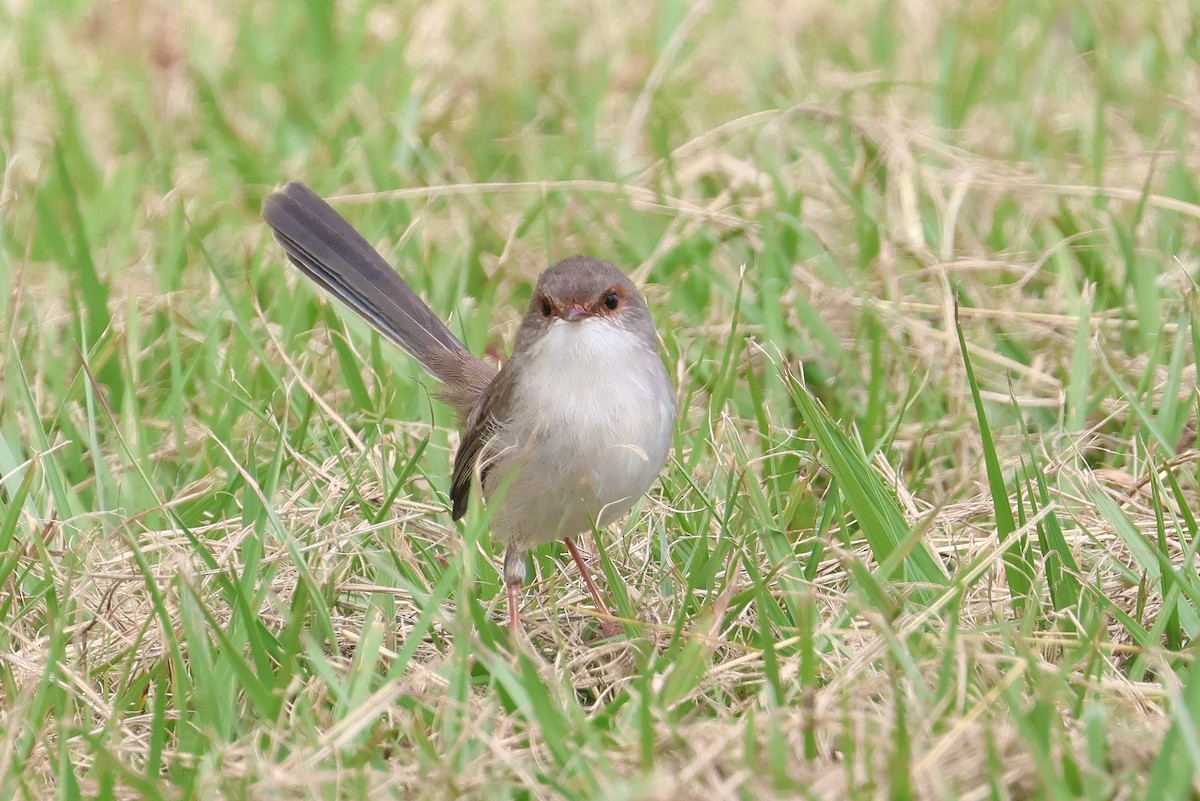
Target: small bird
{"type": "Point", "coordinates": [566, 435]}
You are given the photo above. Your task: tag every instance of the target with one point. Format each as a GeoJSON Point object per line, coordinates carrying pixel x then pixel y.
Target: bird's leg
{"type": "Point", "coordinates": [608, 626]}
{"type": "Point", "coordinates": [514, 616]}
{"type": "Point", "coordinates": [514, 577]}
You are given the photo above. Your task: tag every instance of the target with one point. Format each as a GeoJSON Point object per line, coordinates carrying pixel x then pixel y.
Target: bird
{"type": "Point", "coordinates": [566, 435]}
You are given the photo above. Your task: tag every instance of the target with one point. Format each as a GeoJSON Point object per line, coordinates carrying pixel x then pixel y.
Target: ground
{"type": "Point", "coordinates": [925, 279]}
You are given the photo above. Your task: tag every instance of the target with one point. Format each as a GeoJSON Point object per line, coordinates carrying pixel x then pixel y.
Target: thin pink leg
{"type": "Point", "coordinates": [514, 605]}
{"type": "Point", "coordinates": [608, 626]}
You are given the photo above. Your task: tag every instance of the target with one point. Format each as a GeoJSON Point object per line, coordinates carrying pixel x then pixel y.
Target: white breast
{"type": "Point", "coordinates": [592, 442]}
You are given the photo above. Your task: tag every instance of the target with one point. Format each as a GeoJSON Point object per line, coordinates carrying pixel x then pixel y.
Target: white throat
{"type": "Point", "coordinates": [599, 412]}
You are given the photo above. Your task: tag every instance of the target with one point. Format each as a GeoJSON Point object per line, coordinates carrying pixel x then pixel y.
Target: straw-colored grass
{"type": "Point", "coordinates": [925, 276]}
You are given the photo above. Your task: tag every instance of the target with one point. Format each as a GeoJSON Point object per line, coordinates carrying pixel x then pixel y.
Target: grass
{"type": "Point", "coordinates": [926, 281]}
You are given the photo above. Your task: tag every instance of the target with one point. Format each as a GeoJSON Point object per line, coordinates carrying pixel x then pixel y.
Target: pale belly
{"type": "Point", "coordinates": [597, 440]}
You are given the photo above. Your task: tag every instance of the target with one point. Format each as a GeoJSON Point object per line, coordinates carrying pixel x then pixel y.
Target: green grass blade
{"type": "Point", "coordinates": [876, 509]}
{"type": "Point", "coordinates": [1018, 564]}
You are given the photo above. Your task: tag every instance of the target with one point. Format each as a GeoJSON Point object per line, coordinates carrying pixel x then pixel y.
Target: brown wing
{"type": "Point", "coordinates": [474, 447]}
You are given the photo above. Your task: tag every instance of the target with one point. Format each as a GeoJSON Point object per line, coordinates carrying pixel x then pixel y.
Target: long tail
{"type": "Point", "coordinates": [337, 258]}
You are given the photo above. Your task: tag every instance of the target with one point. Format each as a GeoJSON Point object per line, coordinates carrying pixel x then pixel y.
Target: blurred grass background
{"type": "Point", "coordinates": [925, 276]}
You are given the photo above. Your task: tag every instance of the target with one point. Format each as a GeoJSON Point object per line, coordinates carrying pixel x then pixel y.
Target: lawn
{"type": "Point", "coordinates": [925, 276]}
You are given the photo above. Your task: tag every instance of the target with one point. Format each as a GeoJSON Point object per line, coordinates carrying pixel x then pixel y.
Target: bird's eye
{"type": "Point", "coordinates": [611, 301]}
{"type": "Point", "coordinates": [547, 309]}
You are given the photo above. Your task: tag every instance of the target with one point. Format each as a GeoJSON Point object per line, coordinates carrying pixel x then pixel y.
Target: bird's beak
{"type": "Point", "coordinates": [575, 312]}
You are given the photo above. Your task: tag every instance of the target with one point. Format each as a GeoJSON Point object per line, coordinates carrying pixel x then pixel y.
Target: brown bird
{"type": "Point", "coordinates": [567, 435]}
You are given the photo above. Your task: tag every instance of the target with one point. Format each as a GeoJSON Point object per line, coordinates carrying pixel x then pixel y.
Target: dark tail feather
{"type": "Point", "coordinates": [328, 250]}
